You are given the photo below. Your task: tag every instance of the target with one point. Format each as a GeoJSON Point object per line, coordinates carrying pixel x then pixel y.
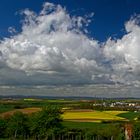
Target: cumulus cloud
{"type": "Point", "coordinates": [124, 54]}
{"type": "Point", "coordinates": [54, 44]}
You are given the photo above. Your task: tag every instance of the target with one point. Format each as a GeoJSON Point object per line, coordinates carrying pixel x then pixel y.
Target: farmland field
{"type": "Point", "coordinates": [129, 115]}
{"type": "Point", "coordinates": [93, 116]}
{"type": "Point", "coordinates": [69, 108]}
{"type": "Point", "coordinates": [5, 108]}
{"type": "Point", "coordinates": [78, 115]}
{"type": "Point", "coordinates": [87, 125]}
{"type": "Point", "coordinates": [115, 112]}
{"type": "Point", "coordinates": [25, 111]}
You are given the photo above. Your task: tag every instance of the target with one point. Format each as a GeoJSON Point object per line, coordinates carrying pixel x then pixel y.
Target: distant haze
{"type": "Point", "coordinates": [101, 91]}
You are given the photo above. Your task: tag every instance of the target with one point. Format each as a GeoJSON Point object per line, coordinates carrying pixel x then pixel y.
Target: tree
{"type": "Point", "coordinates": [47, 122]}
{"type": "Point", "coordinates": [136, 131]}
{"type": "Point", "coordinates": [18, 125]}
{"type": "Point", "coordinates": [3, 125]}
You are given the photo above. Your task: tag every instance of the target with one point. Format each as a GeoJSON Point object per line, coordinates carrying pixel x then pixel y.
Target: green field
{"type": "Point", "coordinates": [102, 129]}
{"type": "Point", "coordinates": [86, 125]}
{"type": "Point", "coordinates": [130, 115]}
{"type": "Point", "coordinates": [5, 108]}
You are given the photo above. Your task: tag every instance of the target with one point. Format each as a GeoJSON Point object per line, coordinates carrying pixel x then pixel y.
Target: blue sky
{"type": "Point", "coordinates": [109, 18]}
{"type": "Point", "coordinates": [58, 43]}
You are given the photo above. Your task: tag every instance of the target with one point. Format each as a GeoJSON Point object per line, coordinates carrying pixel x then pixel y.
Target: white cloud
{"type": "Point", "coordinates": [53, 43]}
{"type": "Point", "coordinates": [124, 54]}
{"type": "Point", "coordinates": [12, 30]}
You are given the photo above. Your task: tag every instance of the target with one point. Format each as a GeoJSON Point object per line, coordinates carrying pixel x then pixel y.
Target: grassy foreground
{"type": "Point", "coordinates": [87, 125]}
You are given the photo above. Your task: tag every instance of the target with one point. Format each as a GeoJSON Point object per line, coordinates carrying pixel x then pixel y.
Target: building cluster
{"type": "Point", "coordinates": [120, 104]}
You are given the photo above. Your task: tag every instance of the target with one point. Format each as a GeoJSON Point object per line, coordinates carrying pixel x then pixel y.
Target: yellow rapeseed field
{"type": "Point", "coordinates": [93, 115]}
{"type": "Point", "coordinates": [115, 112]}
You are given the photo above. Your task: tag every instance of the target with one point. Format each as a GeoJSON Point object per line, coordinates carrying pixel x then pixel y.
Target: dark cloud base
{"type": "Point", "coordinates": [94, 91]}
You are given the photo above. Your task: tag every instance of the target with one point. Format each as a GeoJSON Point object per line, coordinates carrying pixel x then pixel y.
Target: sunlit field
{"type": "Point", "coordinates": [93, 116]}
{"type": "Point", "coordinates": [69, 109]}
{"type": "Point", "coordinates": [115, 112]}
{"type": "Point", "coordinates": [78, 115]}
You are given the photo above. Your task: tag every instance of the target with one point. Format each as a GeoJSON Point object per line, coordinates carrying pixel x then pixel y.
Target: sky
{"type": "Point", "coordinates": [75, 43]}
{"type": "Point", "coordinates": [109, 15]}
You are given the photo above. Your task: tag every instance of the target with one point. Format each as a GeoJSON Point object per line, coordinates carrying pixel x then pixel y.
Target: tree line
{"type": "Point", "coordinates": [47, 125]}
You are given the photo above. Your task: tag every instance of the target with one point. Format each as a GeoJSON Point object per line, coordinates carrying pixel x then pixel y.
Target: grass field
{"type": "Point", "coordinates": [86, 125]}
{"type": "Point", "coordinates": [129, 115]}
{"type": "Point", "coordinates": [5, 108]}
